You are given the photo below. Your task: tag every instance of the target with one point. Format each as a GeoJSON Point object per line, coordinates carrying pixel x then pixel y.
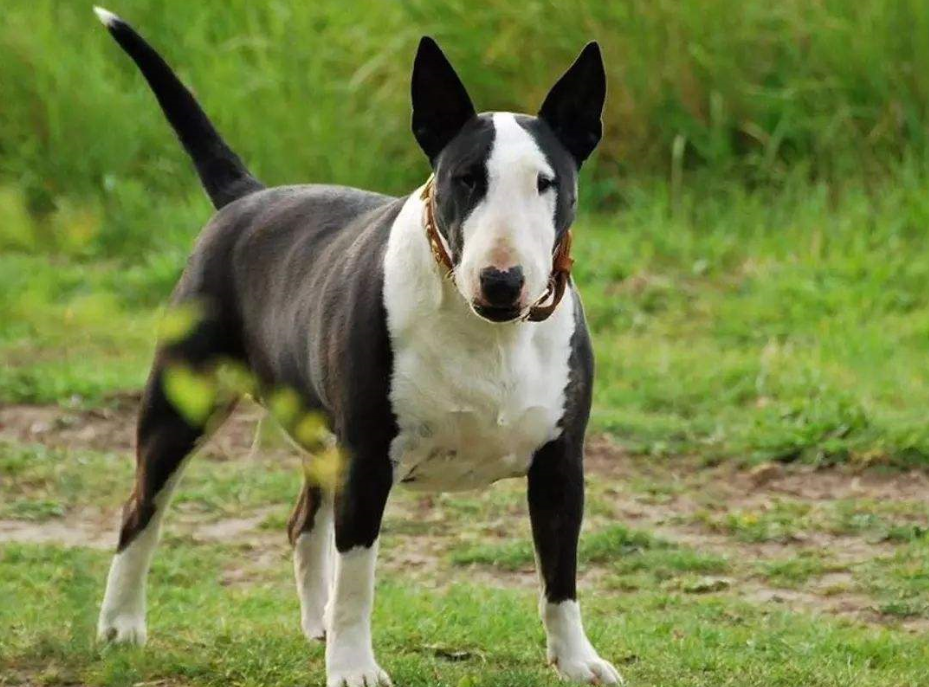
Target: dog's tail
{"type": "Point", "coordinates": [221, 171]}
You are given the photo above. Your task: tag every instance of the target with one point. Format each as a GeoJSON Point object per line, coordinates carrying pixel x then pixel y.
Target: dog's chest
{"type": "Point", "coordinates": [473, 406]}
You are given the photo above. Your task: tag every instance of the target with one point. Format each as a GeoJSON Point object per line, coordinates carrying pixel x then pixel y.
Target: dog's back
{"type": "Point", "coordinates": [274, 258]}
{"type": "Point", "coordinates": [264, 246]}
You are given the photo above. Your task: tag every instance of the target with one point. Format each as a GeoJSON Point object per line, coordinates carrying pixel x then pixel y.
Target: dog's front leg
{"type": "Point", "coordinates": [556, 506]}
{"type": "Point", "coordinates": [359, 507]}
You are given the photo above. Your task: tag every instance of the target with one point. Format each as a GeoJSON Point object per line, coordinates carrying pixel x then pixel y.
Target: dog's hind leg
{"type": "Point", "coordinates": [165, 438]}
{"type": "Point", "coordinates": [311, 533]}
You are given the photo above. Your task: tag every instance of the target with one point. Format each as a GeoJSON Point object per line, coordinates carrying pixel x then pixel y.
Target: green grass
{"type": "Point", "coordinates": [69, 328]}
{"type": "Point", "coordinates": [881, 520]}
{"type": "Point", "coordinates": [764, 326]}
{"type": "Point", "coordinates": [319, 91]}
{"type": "Point", "coordinates": [251, 635]}
{"type": "Point", "coordinates": [900, 581]}
{"type": "Point", "coordinates": [45, 483]}
{"type": "Point", "coordinates": [779, 519]}
{"type": "Point", "coordinates": [609, 544]}
{"type": "Point", "coordinates": [797, 570]}
{"type": "Point", "coordinates": [42, 483]}
{"type": "Point", "coordinates": [223, 609]}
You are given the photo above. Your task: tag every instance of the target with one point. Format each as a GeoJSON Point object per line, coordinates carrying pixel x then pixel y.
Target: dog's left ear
{"type": "Point", "coordinates": [574, 105]}
{"type": "Point", "coordinates": [441, 106]}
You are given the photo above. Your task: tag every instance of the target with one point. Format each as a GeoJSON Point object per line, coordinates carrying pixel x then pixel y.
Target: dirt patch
{"type": "Point", "coordinates": [111, 427]}
{"type": "Point", "coordinates": [666, 500]}
{"type": "Point", "coordinates": [733, 487]}
{"type": "Point", "coordinates": [72, 532]}
{"type": "Point", "coordinates": [99, 429]}
{"type": "Point", "coordinates": [228, 529]}
{"type": "Point", "coordinates": [95, 529]}
{"type": "Point", "coordinates": [845, 604]}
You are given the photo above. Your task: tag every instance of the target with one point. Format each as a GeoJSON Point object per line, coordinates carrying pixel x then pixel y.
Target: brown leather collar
{"type": "Point", "coordinates": [432, 231]}
{"type": "Point", "coordinates": [545, 304]}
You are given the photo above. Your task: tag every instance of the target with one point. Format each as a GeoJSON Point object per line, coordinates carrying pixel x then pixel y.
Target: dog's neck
{"type": "Point", "coordinates": [417, 289]}
{"type": "Point", "coordinates": [448, 299]}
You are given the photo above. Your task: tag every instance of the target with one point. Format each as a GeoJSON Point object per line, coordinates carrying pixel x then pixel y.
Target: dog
{"type": "Point", "coordinates": [439, 335]}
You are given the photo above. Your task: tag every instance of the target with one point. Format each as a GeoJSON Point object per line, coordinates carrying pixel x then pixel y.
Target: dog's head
{"type": "Point", "coordinates": [505, 184]}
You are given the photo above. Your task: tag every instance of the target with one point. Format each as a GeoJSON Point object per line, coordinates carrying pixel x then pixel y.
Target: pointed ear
{"type": "Point", "coordinates": [441, 105]}
{"type": "Point", "coordinates": [574, 105]}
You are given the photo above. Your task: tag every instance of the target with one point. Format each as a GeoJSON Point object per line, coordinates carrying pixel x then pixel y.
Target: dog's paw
{"type": "Point", "coordinates": [314, 629]}
{"type": "Point", "coordinates": [350, 660]}
{"type": "Point", "coordinates": [122, 629]}
{"type": "Point", "coordinates": [361, 676]}
{"type": "Point", "coordinates": [586, 667]}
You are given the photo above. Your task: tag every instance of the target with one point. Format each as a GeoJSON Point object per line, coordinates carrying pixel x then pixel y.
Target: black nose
{"type": "Point", "coordinates": [501, 289]}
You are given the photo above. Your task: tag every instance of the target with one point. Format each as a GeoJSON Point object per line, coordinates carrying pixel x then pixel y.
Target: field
{"type": "Point", "coordinates": [691, 575]}
{"type": "Point", "coordinates": [753, 257]}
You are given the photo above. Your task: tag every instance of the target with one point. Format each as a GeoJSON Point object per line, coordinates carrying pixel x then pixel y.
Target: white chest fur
{"type": "Point", "coordinates": [473, 399]}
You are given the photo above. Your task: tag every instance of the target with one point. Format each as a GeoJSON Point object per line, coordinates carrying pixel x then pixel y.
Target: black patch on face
{"type": "Point", "coordinates": [461, 179]}
{"type": "Point", "coordinates": [564, 166]}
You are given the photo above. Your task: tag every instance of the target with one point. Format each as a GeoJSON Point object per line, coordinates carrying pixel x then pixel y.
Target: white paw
{"type": "Point", "coordinates": [586, 667]}
{"type": "Point", "coordinates": [314, 629]}
{"type": "Point", "coordinates": [350, 659]}
{"type": "Point", "coordinates": [369, 675]}
{"type": "Point", "coordinates": [122, 629]}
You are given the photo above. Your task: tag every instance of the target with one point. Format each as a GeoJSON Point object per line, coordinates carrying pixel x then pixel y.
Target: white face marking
{"type": "Point", "coordinates": [514, 224]}
{"type": "Point", "coordinates": [349, 652]}
{"type": "Point", "coordinates": [569, 650]}
{"type": "Point", "coordinates": [313, 570]}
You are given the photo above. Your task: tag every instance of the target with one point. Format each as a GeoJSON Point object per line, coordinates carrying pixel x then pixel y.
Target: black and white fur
{"type": "Point", "coordinates": [437, 384]}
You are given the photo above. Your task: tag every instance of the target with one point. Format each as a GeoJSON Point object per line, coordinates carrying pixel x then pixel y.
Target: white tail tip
{"type": "Point", "coordinates": [105, 16]}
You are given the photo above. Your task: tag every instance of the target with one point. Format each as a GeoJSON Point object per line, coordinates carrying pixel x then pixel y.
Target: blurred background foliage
{"type": "Point", "coordinates": [727, 91]}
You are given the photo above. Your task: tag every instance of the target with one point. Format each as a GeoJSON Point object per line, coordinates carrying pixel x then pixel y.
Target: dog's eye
{"type": "Point", "coordinates": [545, 182]}
{"type": "Point", "coordinates": [467, 180]}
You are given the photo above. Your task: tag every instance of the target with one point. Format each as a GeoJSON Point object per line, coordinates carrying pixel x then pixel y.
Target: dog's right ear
{"type": "Point", "coordinates": [441, 106]}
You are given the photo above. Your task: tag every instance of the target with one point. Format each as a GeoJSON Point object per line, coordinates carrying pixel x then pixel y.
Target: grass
{"type": "Point", "coordinates": [609, 544]}
{"type": "Point", "coordinates": [252, 637]}
{"type": "Point", "coordinates": [832, 87]}
{"type": "Point", "coordinates": [899, 581]}
{"type": "Point", "coordinates": [799, 570]}
{"type": "Point", "coordinates": [223, 611]}
{"type": "Point", "coordinates": [780, 519]}
{"type": "Point", "coordinates": [769, 327]}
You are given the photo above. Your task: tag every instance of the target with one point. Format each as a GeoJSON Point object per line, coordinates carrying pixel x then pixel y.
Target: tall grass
{"type": "Point", "coordinates": [318, 91]}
